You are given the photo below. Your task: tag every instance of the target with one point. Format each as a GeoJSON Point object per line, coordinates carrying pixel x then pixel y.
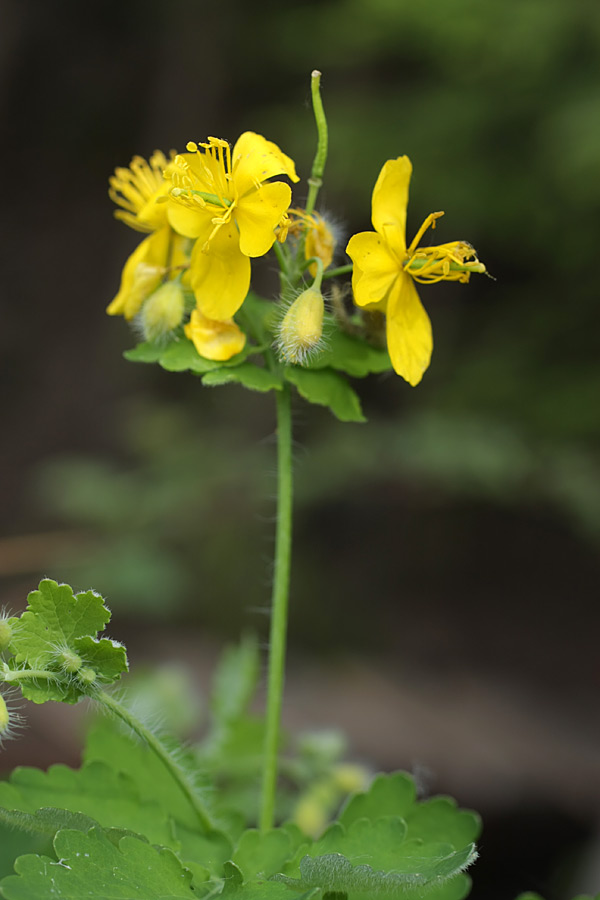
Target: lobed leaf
{"type": "Point", "coordinates": [57, 621]}
{"type": "Point", "coordinates": [91, 865]}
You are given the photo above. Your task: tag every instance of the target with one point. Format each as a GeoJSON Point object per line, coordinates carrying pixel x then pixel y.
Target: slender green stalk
{"type": "Point", "coordinates": [109, 702]}
{"type": "Point", "coordinates": [341, 270]}
{"type": "Point", "coordinates": [316, 176]}
{"type": "Point", "coordinates": [279, 606]}
{"type": "Point", "coordinates": [10, 675]}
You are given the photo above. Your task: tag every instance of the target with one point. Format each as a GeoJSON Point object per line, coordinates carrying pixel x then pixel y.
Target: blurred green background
{"type": "Point", "coordinates": [447, 552]}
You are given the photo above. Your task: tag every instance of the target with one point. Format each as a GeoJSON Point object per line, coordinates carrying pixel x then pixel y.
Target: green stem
{"type": "Point", "coordinates": [108, 701]}
{"type": "Point", "coordinates": [10, 675]}
{"type": "Point", "coordinates": [316, 176]}
{"type": "Point", "coordinates": [341, 270]}
{"type": "Point", "coordinates": [279, 606]}
{"type": "Point", "coordinates": [319, 276]}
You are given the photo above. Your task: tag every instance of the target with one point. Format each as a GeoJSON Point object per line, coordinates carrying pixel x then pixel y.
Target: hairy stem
{"type": "Point", "coordinates": [279, 606]}
{"type": "Point", "coordinates": [109, 702]}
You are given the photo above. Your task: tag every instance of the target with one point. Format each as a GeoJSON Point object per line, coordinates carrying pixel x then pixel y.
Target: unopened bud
{"type": "Point", "coordinates": [163, 311]}
{"type": "Point", "coordinates": [214, 339]}
{"type": "Point", "coordinates": [87, 675]}
{"type": "Point", "coordinates": [301, 328]}
{"type": "Point", "coordinates": [70, 661]}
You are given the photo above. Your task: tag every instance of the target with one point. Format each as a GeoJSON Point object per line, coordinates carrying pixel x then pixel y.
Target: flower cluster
{"type": "Point", "coordinates": [211, 210]}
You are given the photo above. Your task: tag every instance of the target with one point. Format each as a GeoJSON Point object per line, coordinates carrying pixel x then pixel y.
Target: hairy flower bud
{"type": "Point", "coordinates": [163, 311]}
{"type": "Point", "coordinates": [70, 661]}
{"type": "Point", "coordinates": [301, 328]}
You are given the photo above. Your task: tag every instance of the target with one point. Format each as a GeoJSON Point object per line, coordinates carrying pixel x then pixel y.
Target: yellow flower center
{"type": "Point", "coordinates": [445, 262]}
{"type": "Point", "coordinates": [205, 182]}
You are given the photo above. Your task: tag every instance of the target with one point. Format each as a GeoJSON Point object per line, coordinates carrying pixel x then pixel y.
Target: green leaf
{"type": "Point", "coordinates": [91, 866]}
{"type": "Point", "coordinates": [58, 622]}
{"type": "Point", "coordinates": [45, 821]}
{"type": "Point", "coordinates": [181, 356]}
{"type": "Point", "coordinates": [388, 795]}
{"type": "Point", "coordinates": [349, 354]}
{"type": "Point", "coordinates": [96, 791]}
{"type": "Point", "coordinates": [336, 861]}
{"type": "Point", "coordinates": [437, 819]}
{"type": "Point", "coordinates": [262, 855]}
{"type": "Point", "coordinates": [146, 352]}
{"type": "Point", "coordinates": [247, 374]}
{"type": "Point", "coordinates": [107, 745]}
{"type": "Point", "coordinates": [326, 388]}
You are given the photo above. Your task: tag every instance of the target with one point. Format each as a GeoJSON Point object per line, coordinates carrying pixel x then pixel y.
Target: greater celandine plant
{"type": "Point", "coordinates": [146, 816]}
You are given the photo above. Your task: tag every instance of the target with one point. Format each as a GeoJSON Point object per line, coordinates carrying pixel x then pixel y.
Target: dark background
{"type": "Point", "coordinates": [445, 601]}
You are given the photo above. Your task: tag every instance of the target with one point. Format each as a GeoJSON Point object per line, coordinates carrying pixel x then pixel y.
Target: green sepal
{"type": "Point", "coordinates": [326, 388]}
{"type": "Point", "coordinates": [349, 354]}
{"type": "Point", "coordinates": [247, 374]}
{"type": "Point", "coordinates": [57, 620]}
{"type": "Point", "coordinates": [90, 865]}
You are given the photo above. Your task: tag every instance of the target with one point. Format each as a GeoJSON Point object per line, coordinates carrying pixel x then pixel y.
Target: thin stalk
{"type": "Point", "coordinates": [108, 701]}
{"type": "Point", "coordinates": [279, 606]}
{"type": "Point", "coordinates": [341, 270]}
{"type": "Point", "coordinates": [316, 176]}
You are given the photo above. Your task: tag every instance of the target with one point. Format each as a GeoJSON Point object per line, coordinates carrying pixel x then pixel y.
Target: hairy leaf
{"type": "Point", "coordinates": [57, 634]}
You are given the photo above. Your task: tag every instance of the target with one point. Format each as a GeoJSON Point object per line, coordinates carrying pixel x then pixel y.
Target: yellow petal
{"type": "Point", "coordinates": [375, 267]}
{"type": "Point", "coordinates": [255, 159]}
{"type": "Point", "coordinates": [409, 336]}
{"type": "Point", "coordinates": [220, 274]}
{"type": "Point", "coordinates": [390, 199]}
{"type": "Point", "coordinates": [258, 214]}
{"type": "Point", "coordinates": [142, 273]}
{"type": "Point", "coordinates": [213, 339]}
{"type": "Point", "coordinates": [191, 222]}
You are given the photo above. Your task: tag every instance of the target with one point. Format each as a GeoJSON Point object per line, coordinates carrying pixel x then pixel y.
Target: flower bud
{"type": "Point", "coordinates": [87, 676]}
{"type": "Point", "coordinates": [70, 661]}
{"type": "Point", "coordinates": [320, 241]}
{"type": "Point", "coordinates": [214, 339]}
{"type": "Point", "coordinates": [162, 312]}
{"type": "Point", "coordinates": [301, 328]}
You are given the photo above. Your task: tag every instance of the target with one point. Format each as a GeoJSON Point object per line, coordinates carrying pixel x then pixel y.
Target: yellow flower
{"type": "Point", "coordinates": [385, 270]}
{"type": "Point", "coordinates": [140, 191]}
{"type": "Point", "coordinates": [222, 198]}
{"type": "Point", "coordinates": [214, 339]}
{"type": "Point", "coordinates": [145, 269]}
{"type": "Point", "coordinates": [320, 237]}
